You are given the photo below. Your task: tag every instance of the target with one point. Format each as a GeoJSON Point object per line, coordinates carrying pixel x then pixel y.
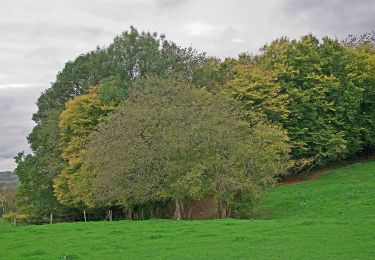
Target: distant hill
{"type": "Point", "coordinates": [8, 176]}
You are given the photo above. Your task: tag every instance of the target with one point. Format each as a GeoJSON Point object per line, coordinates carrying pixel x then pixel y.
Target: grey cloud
{"type": "Point", "coordinates": [7, 164]}
{"type": "Point", "coordinates": [118, 11]}
{"type": "Point", "coordinates": [332, 18]}
{"type": "Point", "coordinates": [16, 108]}
{"type": "Point", "coordinates": [170, 3]}
{"type": "Point", "coordinates": [6, 154]}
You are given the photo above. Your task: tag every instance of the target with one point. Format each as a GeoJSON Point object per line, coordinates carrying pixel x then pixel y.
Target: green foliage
{"type": "Point", "coordinates": [319, 96]}
{"type": "Point", "coordinates": [133, 55]}
{"type": "Point", "coordinates": [36, 172]}
{"type": "Point", "coordinates": [20, 218]}
{"type": "Point", "coordinates": [7, 196]}
{"type": "Point", "coordinates": [130, 56]}
{"type": "Point", "coordinates": [322, 93]}
{"type": "Point", "coordinates": [364, 75]}
{"type": "Point", "coordinates": [326, 88]}
{"type": "Point", "coordinates": [170, 140]}
{"type": "Point", "coordinates": [79, 119]}
{"type": "Point", "coordinates": [258, 91]}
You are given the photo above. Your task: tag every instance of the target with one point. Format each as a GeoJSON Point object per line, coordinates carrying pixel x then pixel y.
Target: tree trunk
{"type": "Point", "coordinates": [178, 212]}
{"type": "Point", "coordinates": [222, 209]}
{"type": "Point", "coordinates": [142, 214]}
{"type": "Point", "coordinates": [110, 215]}
{"type": "Point", "coordinates": [190, 212]}
{"type": "Point", "coordinates": [229, 213]}
{"type": "Point", "coordinates": [182, 210]}
{"type": "Point", "coordinates": [152, 211]}
{"type": "Point", "coordinates": [223, 212]}
{"type": "Point", "coordinates": [129, 214]}
{"type": "Point", "coordinates": [219, 208]}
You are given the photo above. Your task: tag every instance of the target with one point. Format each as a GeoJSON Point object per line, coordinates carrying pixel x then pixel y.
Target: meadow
{"type": "Point", "coordinates": [331, 217]}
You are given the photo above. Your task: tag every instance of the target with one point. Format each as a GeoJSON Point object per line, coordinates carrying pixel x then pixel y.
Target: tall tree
{"type": "Point", "coordinates": [170, 140]}
{"type": "Point", "coordinates": [321, 79]}
{"type": "Point", "coordinates": [79, 119]}
{"type": "Point", "coordinates": [131, 55]}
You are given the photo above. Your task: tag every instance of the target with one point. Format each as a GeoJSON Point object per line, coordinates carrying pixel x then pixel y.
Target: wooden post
{"type": "Point", "coordinates": [3, 202]}
{"type": "Point", "coordinates": [110, 215]}
{"type": "Point", "coordinates": [14, 221]}
{"type": "Point", "coordinates": [51, 219]}
{"type": "Point", "coordinates": [84, 215]}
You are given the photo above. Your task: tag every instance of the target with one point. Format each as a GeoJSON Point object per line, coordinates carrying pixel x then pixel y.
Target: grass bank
{"type": "Point", "coordinates": [328, 218]}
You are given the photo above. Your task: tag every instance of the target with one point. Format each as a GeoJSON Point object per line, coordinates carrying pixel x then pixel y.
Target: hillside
{"type": "Point", "coordinates": [8, 176]}
{"type": "Point", "coordinates": [327, 218]}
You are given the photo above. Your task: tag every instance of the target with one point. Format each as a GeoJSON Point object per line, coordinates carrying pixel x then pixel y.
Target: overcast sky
{"type": "Point", "coordinates": [37, 37]}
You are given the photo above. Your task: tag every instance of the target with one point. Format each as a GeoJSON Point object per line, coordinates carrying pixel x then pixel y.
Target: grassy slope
{"type": "Point", "coordinates": [332, 217]}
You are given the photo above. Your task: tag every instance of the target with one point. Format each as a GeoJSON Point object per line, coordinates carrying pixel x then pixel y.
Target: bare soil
{"type": "Point", "coordinates": [318, 172]}
{"type": "Point", "coordinates": [204, 209]}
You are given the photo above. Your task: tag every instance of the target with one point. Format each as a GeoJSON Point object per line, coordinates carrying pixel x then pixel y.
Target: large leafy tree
{"type": "Point", "coordinates": [298, 68]}
{"type": "Point", "coordinates": [79, 119]}
{"type": "Point", "coordinates": [36, 172]}
{"type": "Point", "coordinates": [325, 82]}
{"type": "Point", "coordinates": [130, 56]}
{"type": "Point", "coordinates": [321, 92]}
{"type": "Point", "coordinates": [172, 141]}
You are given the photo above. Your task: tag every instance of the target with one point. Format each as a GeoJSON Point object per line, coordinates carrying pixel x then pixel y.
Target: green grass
{"type": "Point", "coordinates": [329, 218]}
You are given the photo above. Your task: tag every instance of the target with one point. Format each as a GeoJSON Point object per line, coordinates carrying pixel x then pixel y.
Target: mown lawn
{"type": "Point", "coordinates": [329, 218]}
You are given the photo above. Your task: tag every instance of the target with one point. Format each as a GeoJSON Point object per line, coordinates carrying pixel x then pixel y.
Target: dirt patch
{"type": "Point", "coordinates": [306, 176]}
{"type": "Point", "coordinates": [204, 209]}
{"type": "Point", "coordinates": [317, 173]}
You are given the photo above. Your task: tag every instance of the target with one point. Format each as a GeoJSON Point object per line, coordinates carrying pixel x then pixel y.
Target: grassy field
{"type": "Point", "coordinates": [329, 218]}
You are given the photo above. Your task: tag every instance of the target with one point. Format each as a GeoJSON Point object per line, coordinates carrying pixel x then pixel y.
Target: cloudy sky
{"type": "Point", "coordinates": [39, 36]}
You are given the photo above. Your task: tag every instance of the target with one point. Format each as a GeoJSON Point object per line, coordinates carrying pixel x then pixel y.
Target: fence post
{"type": "Point", "coordinates": [110, 215]}
{"type": "Point", "coordinates": [14, 221]}
{"type": "Point", "coordinates": [84, 215]}
{"type": "Point", "coordinates": [51, 219]}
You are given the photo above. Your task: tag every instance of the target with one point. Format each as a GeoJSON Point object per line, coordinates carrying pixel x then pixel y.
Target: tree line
{"type": "Point", "coordinates": [144, 125]}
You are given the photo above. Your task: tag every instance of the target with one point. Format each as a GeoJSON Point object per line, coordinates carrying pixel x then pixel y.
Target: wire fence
{"type": "Point", "coordinates": [84, 216]}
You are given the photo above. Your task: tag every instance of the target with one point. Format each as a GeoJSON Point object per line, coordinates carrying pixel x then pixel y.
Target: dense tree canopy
{"type": "Point", "coordinates": [143, 123]}
{"type": "Point", "coordinates": [130, 56]}
{"type": "Point", "coordinates": [325, 82]}
{"type": "Point", "coordinates": [79, 119]}
{"type": "Point", "coordinates": [321, 92]}
{"type": "Point", "coordinates": [170, 140]}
